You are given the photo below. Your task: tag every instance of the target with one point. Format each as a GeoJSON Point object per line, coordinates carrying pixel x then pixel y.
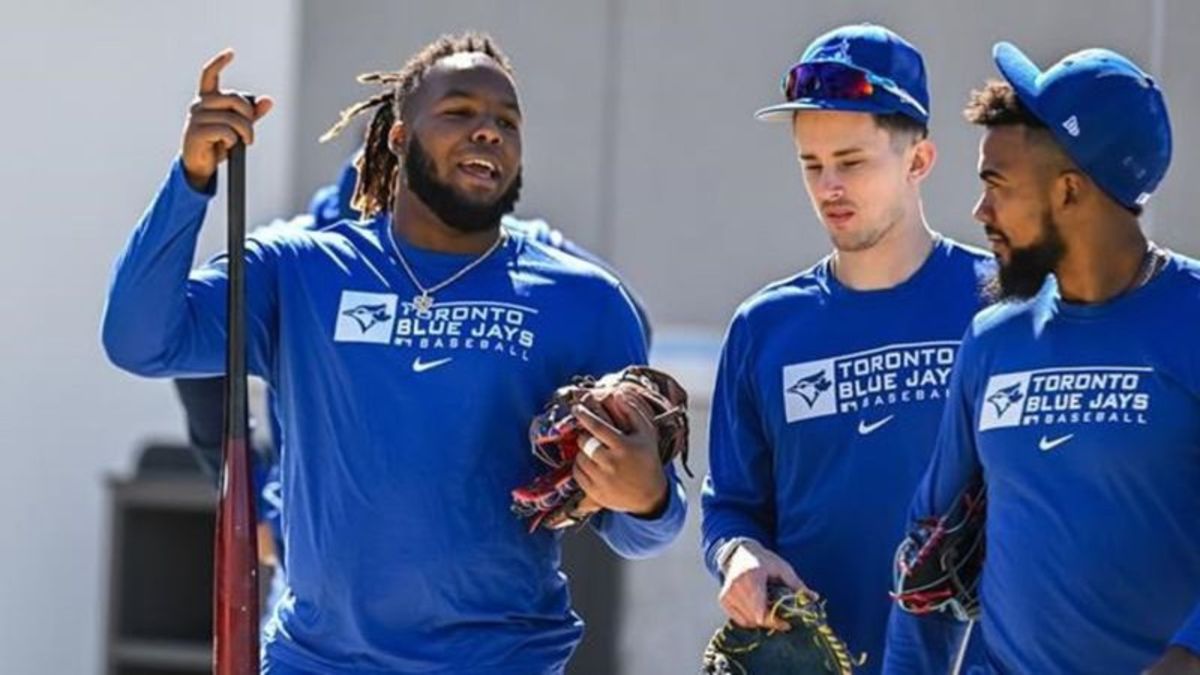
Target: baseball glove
{"type": "Point", "coordinates": [809, 648]}
{"type": "Point", "coordinates": [938, 565]}
{"type": "Point", "coordinates": [554, 500]}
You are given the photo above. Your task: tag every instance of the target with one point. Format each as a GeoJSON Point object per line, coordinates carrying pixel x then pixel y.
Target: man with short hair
{"type": "Point", "coordinates": [1077, 397]}
{"type": "Point", "coordinates": [831, 382]}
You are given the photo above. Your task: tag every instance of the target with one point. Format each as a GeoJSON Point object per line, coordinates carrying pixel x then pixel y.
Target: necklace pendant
{"type": "Point", "coordinates": [423, 302]}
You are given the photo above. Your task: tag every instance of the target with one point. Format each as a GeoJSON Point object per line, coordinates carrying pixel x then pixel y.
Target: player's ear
{"type": "Point", "coordinates": [1069, 189]}
{"type": "Point", "coordinates": [921, 158]}
{"type": "Point", "coordinates": [397, 137]}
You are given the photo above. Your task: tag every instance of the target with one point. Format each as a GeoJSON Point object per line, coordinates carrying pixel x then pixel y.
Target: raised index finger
{"type": "Point", "coordinates": [210, 75]}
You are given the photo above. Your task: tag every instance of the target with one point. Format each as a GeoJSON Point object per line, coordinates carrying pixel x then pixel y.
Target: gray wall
{"type": "Point", "coordinates": [639, 133]}
{"type": "Point", "coordinates": [94, 101]}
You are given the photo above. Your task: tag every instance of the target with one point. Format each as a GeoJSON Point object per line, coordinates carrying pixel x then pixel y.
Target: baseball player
{"type": "Point", "coordinates": [831, 382]}
{"type": "Point", "coordinates": [1078, 397]}
{"type": "Point", "coordinates": [408, 353]}
{"type": "Point", "coordinates": [202, 398]}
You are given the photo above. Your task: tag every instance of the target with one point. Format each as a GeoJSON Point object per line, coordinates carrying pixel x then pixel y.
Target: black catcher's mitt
{"type": "Point", "coordinates": [809, 648]}
{"type": "Point", "coordinates": [938, 564]}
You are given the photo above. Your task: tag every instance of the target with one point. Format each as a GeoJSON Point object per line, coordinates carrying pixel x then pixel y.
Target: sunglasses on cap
{"type": "Point", "coordinates": [839, 82]}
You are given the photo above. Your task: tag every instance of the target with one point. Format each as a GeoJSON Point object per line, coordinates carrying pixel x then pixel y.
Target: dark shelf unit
{"type": "Point", "coordinates": [160, 575]}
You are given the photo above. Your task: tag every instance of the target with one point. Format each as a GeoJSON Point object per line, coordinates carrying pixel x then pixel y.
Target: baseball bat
{"type": "Point", "coordinates": [235, 589]}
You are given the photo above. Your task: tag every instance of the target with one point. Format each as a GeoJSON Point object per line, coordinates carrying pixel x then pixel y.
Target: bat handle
{"type": "Point", "coordinates": [235, 589]}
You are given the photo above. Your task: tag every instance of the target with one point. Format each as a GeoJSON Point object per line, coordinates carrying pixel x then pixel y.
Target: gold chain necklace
{"type": "Point", "coordinates": [423, 301]}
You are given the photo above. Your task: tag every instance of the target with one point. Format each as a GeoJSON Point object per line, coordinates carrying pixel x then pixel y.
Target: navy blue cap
{"type": "Point", "coordinates": [892, 63]}
{"type": "Point", "coordinates": [1108, 115]}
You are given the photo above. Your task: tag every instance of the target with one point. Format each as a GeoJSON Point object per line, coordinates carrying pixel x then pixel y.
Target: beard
{"type": "Point", "coordinates": [452, 208]}
{"type": "Point", "coordinates": [1027, 268]}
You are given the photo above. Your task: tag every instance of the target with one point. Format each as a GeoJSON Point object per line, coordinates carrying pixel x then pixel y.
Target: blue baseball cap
{"type": "Point", "coordinates": [858, 68]}
{"type": "Point", "coordinates": [1108, 115]}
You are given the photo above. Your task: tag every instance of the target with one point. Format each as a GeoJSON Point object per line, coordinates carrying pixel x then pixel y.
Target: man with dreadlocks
{"type": "Point", "coordinates": [408, 353]}
{"type": "Point", "coordinates": [203, 402]}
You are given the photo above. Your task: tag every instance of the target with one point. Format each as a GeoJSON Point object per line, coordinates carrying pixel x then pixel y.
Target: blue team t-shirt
{"type": "Point", "coordinates": [1085, 422]}
{"type": "Point", "coordinates": [826, 406]}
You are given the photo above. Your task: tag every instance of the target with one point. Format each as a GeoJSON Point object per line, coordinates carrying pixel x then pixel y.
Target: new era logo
{"type": "Point", "coordinates": [1072, 125]}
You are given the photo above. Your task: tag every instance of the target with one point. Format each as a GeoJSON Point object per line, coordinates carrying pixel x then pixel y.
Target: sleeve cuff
{"type": "Point", "coordinates": [673, 508]}
{"type": "Point", "coordinates": [716, 543]}
{"type": "Point", "coordinates": [635, 538]}
{"type": "Point", "coordinates": [179, 180]}
{"type": "Point", "coordinates": [724, 550]}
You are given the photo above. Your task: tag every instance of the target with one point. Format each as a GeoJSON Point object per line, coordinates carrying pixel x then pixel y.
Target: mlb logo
{"type": "Point", "coordinates": [365, 317]}
{"type": "Point", "coordinates": [809, 390]}
{"type": "Point", "coordinates": [1004, 400]}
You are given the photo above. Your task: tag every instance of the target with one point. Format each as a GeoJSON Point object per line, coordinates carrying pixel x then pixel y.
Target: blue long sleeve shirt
{"type": "Point", "coordinates": [1085, 423]}
{"type": "Point", "coordinates": [824, 415]}
{"type": "Point", "coordinates": [402, 432]}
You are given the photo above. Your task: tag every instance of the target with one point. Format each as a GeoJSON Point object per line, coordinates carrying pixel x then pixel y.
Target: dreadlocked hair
{"type": "Point", "coordinates": [377, 165]}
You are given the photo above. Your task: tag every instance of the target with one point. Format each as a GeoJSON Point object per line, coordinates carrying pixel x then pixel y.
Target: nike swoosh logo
{"type": "Point", "coordinates": [419, 367]}
{"type": "Point", "coordinates": [864, 428]}
{"type": "Point", "coordinates": [1046, 445]}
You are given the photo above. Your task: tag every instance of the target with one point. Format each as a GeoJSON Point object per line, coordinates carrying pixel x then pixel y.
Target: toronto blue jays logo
{"type": "Point", "coordinates": [368, 316]}
{"type": "Point", "coordinates": [810, 387]}
{"type": "Point", "coordinates": [1004, 398]}
{"type": "Point", "coordinates": [838, 51]}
